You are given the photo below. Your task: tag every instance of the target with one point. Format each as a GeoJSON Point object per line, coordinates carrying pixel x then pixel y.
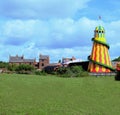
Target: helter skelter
{"type": "Point", "coordinates": [99, 60]}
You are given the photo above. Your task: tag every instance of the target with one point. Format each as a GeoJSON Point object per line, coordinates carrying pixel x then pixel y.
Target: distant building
{"type": "Point", "coordinates": [114, 64]}
{"type": "Point", "coordinates": [52, 67]}
{"type": "Point", "coordinates": [83, 64]}
{"type": "Point", "coordinates": [21, 60]}
{"type": "Point", "coordinates": [65, 61]}
{"type": "Point", "coordinates": [43, 61]}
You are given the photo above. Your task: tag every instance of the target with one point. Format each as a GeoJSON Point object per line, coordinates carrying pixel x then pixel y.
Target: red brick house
{"type": "Point", "coordinates": [66, 60]}
{"type": "Point", "coordinates": [21, 60]}
{"type": "Point", "coordinates": [43, 61]}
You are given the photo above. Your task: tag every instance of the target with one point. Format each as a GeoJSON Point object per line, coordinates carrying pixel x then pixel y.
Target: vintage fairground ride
{"type": "Point", "coordinates": [99, 60]}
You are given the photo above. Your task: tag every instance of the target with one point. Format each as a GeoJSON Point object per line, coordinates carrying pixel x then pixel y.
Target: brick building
{"type": "Point", "coordinates": [21, 60]}
{"type": "Point", "coordinates": [65, 61]}
{"type": "Point", "coordinates": [43, 61]}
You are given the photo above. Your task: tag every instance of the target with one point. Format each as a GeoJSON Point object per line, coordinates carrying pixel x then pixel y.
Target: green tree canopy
{"type": "Point", "coordinates": [117, 59]}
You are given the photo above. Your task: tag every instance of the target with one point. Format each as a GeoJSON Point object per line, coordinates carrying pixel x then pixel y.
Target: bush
{"type": "Point", "coordinates": [3, 64]}
{"type": "Point", "coordinates": [117, 76]}
{"type": "Point", "coordinates": [24, 69]}
{"type": "Point", "coordinates": [38, 72]}
{"type": "Point", "coordinates": [62, 70]}
{"type": "Point", "coordinates": [12, 67]}
{"type": "Point", "coordinates": [74, 71]}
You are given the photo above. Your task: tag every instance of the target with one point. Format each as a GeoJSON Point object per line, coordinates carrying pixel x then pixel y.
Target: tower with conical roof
{"type": "Point", "coordinates": [99, 60]}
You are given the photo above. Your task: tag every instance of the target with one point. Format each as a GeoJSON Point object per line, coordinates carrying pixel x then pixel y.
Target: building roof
{"type": "Point", "coordinates": [72, 61]}
{"type": "Point", "coordinates": [64, 60]}
{"type": "Point", "coordinates": [100, 28]}
{"type": "Point", "coordinates": [44, 56]}
{"type": "Point", "coordinates": [54, 64]}
{"type": "Point", "coordinates": [29, 60]}
{"type": "Point", "coordinates": [20, 59]}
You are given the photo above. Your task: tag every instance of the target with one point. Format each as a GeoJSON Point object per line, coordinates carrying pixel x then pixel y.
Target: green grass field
{"type": "Point", "coordinates": [50, 95]}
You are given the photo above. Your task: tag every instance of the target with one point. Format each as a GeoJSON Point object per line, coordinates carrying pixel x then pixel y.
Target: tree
{"type": "Point", "coordinates": [73, 71]}
{"type": "Point", "coordinates": [24, 68]}
{"type": "Point", "coordinates": [59, 61]}
{"type": "Point", "coordinates": [117, 59]}
{"type": "Point", "coordinates": [3, 64]}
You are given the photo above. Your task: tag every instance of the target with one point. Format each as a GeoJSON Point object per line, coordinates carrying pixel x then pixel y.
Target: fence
{"type": "Point", "coordinates": [103, 74]}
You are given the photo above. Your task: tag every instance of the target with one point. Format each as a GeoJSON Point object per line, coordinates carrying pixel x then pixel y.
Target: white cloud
{"type": "Point", "coordinates": [16, 32]}
{"type": "Point", "coordinates": [55, 33]}
{"type": "Point", "coordinates": [31, 27]}
{"type": "Point", "coordinates": [55, 37]}
{"type": "Point", "coordinates": [19, 28]}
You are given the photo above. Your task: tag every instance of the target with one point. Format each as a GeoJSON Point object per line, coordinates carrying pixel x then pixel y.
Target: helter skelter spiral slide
{"type": "Point", "coordinates": [99, 60]}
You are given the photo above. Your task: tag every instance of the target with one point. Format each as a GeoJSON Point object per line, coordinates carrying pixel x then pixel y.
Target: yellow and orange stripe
{"type": "Point", "coordinates": [99, 58]}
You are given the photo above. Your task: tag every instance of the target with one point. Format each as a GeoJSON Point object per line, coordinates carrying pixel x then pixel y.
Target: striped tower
{"type": "Point", "coordinates": [99, 60]}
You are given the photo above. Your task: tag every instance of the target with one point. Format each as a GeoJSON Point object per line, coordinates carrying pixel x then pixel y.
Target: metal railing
{"type": "Point", "coordinates": [103, 74]}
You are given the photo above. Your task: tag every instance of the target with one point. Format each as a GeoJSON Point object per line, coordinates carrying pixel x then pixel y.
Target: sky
{"type": "Point", "coordinates": [58, 28]}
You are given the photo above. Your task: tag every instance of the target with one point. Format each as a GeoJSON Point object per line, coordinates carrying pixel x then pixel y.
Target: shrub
{"type": "Point", "coordinates": [24, 69]}
{"type": "Point", "coordinates": [74, 71]}
{"type": "Point", "coordinates": [38, 72]}
{"type": "Point", "coordinates": [3, 64]}
{"type": "Point", "coordinates": [62, 70]}
{"type": "Point", "coordinates": [12, 67]}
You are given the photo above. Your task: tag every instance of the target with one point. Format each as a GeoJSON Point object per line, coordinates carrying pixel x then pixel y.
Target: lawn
{"type": "Point", "coordinates": [50, 95]}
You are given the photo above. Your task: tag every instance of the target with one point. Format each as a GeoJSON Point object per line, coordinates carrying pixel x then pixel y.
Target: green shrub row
{"type": "Point", "coordinates": [38, 72]}
{"type": "Point", "coordinates": [74, 71]}
{"type": "Point", "coordinates": [21, 69]}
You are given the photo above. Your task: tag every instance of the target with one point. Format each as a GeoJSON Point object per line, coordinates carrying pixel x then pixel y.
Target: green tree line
{"type": "Point", "coordinates": [117, 59]}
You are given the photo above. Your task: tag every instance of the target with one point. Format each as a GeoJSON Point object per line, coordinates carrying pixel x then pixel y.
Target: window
{"type": "Point", "coordinates": [42, 64]}
{"type": "Point", "coordinates": [96, 31]}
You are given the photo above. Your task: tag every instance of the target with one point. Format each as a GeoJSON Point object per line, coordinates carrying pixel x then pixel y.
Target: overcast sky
{"type": "Point", "coordinates": [58, 28]}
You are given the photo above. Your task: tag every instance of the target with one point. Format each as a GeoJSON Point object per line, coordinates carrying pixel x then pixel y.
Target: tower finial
{"type": "Point", "coordinates": [100, 17]}
{"type": "Point", "coordinates": [99, 20]}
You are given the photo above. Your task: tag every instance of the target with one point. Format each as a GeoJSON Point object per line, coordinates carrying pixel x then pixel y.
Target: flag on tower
{"type": "Point", "coordinates": [99, 17]}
